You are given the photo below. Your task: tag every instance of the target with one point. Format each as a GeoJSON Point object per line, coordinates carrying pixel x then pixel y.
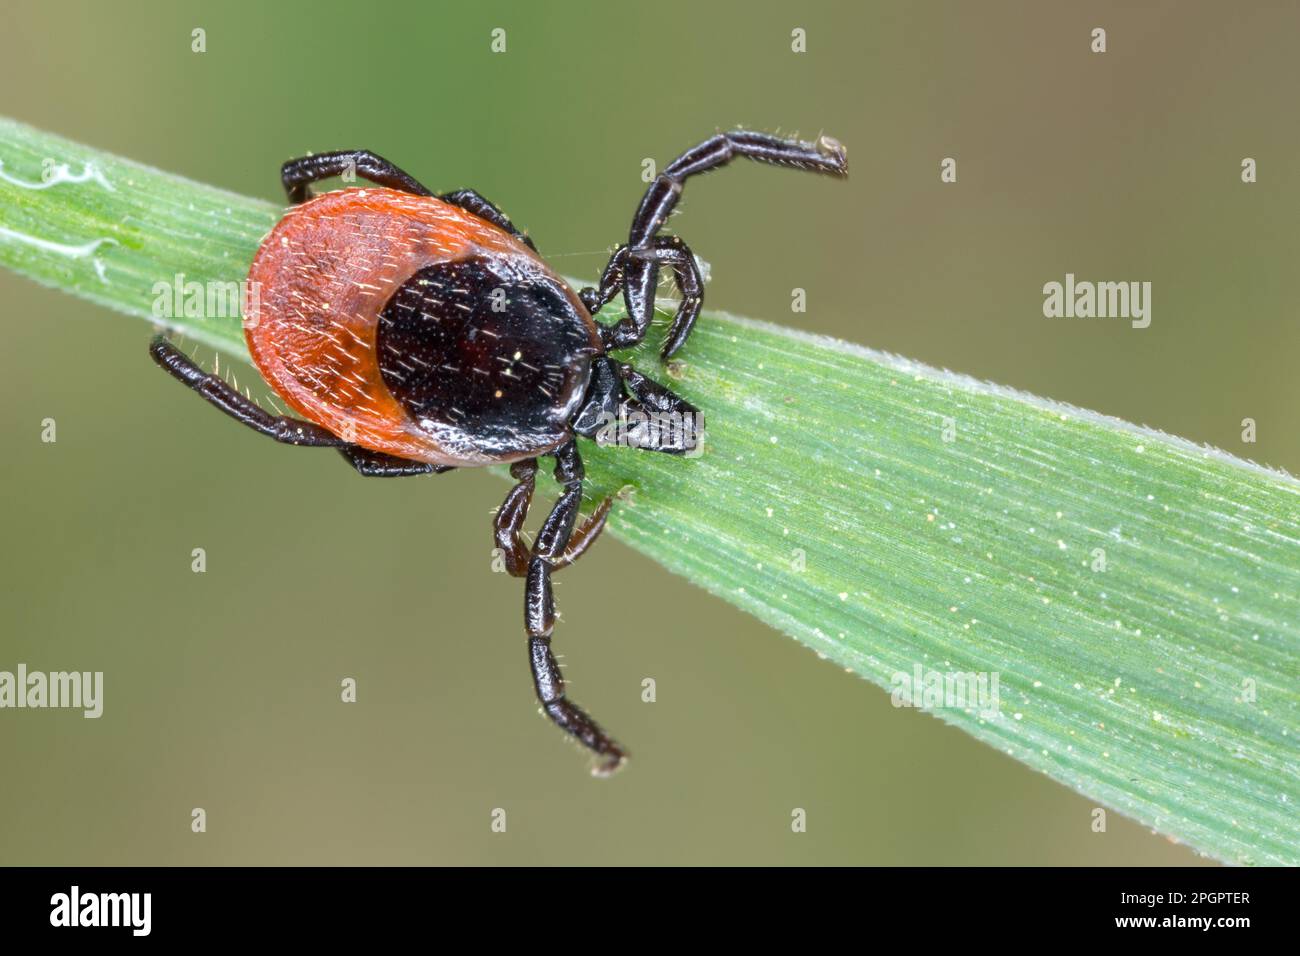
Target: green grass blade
{"type": "Point", "coordinates": [1136, 594]}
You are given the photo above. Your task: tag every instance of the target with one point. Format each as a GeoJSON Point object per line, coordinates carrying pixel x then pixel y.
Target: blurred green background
{"type": "Point", "coordinates": [222, 689]}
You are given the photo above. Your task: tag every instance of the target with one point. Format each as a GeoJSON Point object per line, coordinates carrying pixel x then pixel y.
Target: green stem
{"type": "Point", "coordinates": [1135, 594]}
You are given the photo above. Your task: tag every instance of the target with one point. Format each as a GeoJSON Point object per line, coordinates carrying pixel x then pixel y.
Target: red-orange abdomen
{"type": "Point", "coordinates": [412, 327]}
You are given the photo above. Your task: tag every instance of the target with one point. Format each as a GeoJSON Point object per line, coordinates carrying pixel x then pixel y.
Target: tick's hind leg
{"type": "Point", "coordinates": [297, 175]}
{"type": "Point", "coordinates": [557, 544]}
{"type": "Point", "coordinates": [471, 201]}
{"type": "Point", "coordinates": [291, 431]}
{"type": "Point", "coordinates": [377, 464]}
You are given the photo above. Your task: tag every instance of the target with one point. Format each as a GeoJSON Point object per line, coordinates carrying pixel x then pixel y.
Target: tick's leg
{"type": "Point", "coordinates": [508, 525]}
{"type": "Point", "coordinates": [668, 251]}
{"type": "Point", "coordinates": [611, 280]}
{"type": "Point", "coordinates": [585, 535]}
{"type": "Point", "coordinates": [641, 273]}
{"type": "Point", "coordinates": [377, 464]}
{"type": "Point", "coordinates": [539, 616]}
{"type": "Point", "coordinates": [507, 528]}
{"type": "Point", "coordinates": [291, 431]}
{"type": "Point", "coordinates": [298, 174]}
{"type": "Point", "coordinates": [671, 251]}
{"type": "Point", "coordinates": [653, 396]}
{"type": "Point", "coordinates": [658, 419]}
{"type": "Point", "coordinates": [471, 201]}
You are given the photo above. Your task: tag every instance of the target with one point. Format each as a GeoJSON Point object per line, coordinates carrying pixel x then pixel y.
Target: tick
{"type": "Point", "coordinates": [418, 333]}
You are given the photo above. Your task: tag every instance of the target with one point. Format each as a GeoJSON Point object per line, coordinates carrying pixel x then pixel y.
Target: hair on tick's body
{"type": "Point", "coordinates": [418, 333]}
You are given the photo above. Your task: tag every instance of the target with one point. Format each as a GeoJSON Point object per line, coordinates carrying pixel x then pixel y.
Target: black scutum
{"type": "Point", "coordinates": [486, 348]}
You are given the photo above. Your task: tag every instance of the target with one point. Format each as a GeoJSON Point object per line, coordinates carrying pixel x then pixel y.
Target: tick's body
{"type": "Point", "coordinates": [418, 329]}
{"type": "Point", "coordinates": [418, 333]}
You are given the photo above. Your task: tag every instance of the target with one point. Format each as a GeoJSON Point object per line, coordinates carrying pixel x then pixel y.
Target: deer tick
{"type": "Point", "coordinates": [419, 333]}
